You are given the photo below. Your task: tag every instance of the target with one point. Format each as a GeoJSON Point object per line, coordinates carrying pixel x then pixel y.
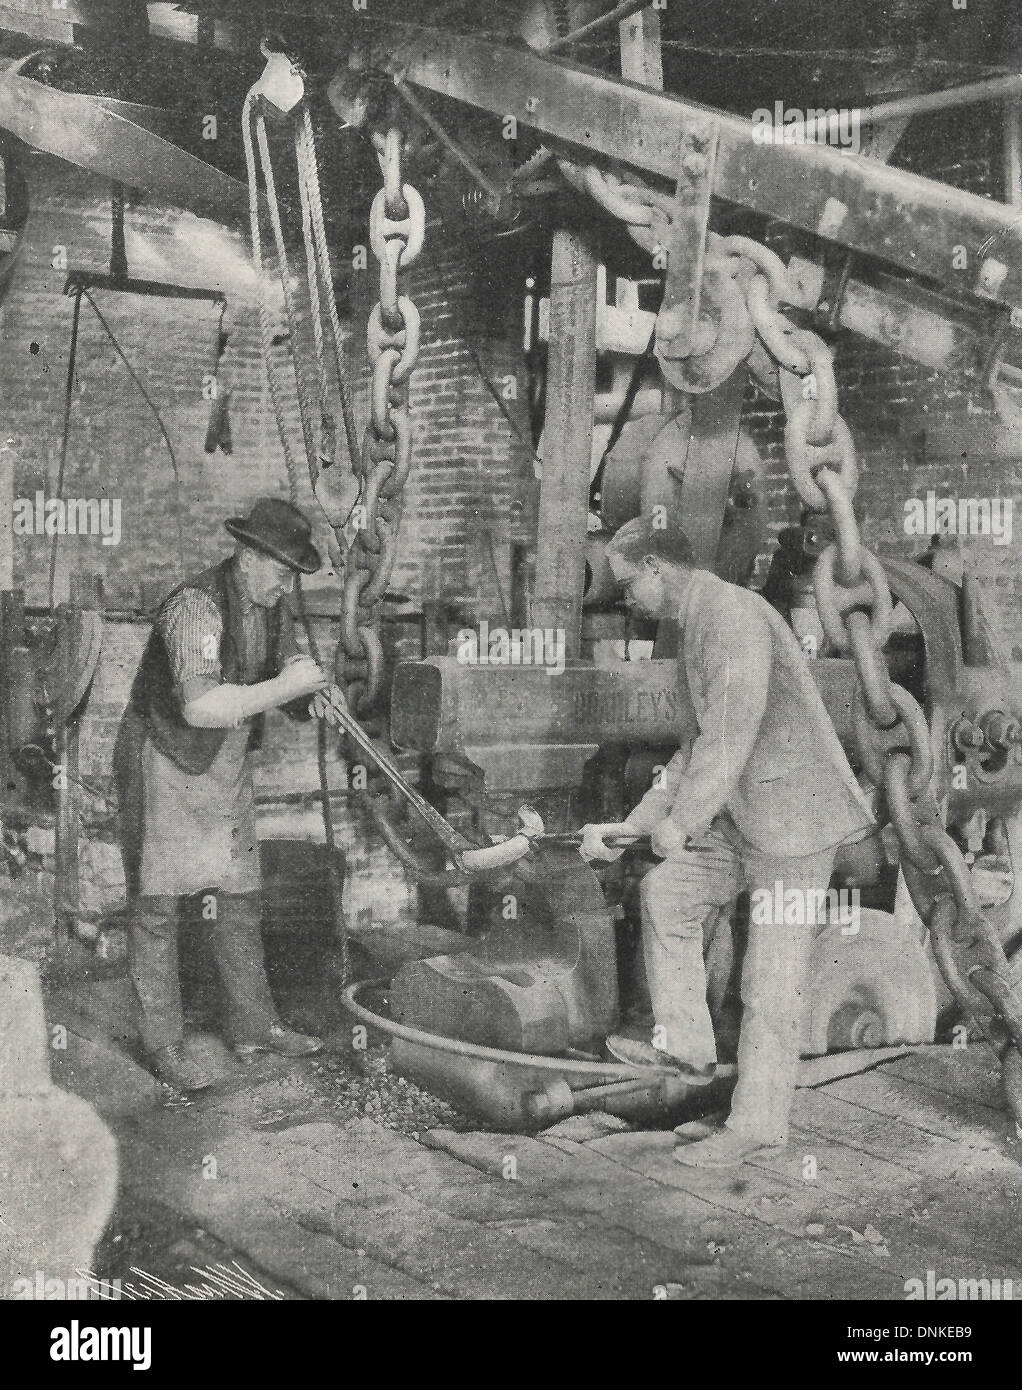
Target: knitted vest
{"type": "Point", "coordinates": [153, 693]}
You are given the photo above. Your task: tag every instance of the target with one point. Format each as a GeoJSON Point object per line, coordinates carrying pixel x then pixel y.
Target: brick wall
{"type": "Point", "coordinates": [461, 501]}
{"type": "Point", "coordinates": [461, 482]}
{"type": "Point", "coordinates": [471, 490]}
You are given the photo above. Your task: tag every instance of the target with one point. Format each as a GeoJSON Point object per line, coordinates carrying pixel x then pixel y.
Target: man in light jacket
{"type": "Point", "coordinates": [762, 797]}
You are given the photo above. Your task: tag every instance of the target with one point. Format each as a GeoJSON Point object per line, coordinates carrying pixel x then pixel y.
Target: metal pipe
{"type": "Point", "coordinates": [493, 193]}
{"type": "Point", "coordinates": [66, 431]}
{"type": "Point", "coordinates": [569, 838]}
{"type": "Point", "coordinates": [623, 11]}
{"type": "Point", "coordinates": [990, 89]}
{"type": "Point", "coordinates": [118, 254]}
{"type": "Point", "coordinates": [599, 1071]}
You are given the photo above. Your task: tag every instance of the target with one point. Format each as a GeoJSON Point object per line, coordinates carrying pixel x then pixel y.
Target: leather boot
{"type": "Point", "coordinates": [173, 1065]}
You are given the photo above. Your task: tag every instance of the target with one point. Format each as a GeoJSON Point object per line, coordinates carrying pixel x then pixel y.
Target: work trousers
{"type": "Point", "coordinates": [682, 894]}
{"type": "Point", "coordinates": [236, 942]}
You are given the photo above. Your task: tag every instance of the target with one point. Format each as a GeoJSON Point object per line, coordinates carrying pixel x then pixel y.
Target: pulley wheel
{"type": "Point", "coordinates": [73, 662]}
{"type": "Point", "coordinates": [871, 989]}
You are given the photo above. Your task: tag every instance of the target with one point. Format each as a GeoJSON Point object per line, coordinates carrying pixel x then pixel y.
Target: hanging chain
{"type": "Point", "coordinates": [396, 230]}
{"type": "Point", "coordinates": [892, 735]}
{"type": "Point", "coordinates": [795, 365]}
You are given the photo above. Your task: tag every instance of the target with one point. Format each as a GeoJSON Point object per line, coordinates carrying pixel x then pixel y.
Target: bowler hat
{"type": "Point", "coordinates": [278, 529]}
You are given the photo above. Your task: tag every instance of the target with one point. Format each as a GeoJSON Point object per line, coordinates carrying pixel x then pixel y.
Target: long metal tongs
{"type": "Point", "coordinates": [469, 858]}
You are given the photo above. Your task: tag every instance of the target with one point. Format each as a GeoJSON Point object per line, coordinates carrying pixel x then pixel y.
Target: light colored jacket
{"type": "Point", "coordinates": [766, 751]}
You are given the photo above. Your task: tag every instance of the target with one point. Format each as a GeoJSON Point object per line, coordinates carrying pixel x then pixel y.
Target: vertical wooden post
{"type": "Point", "coordinates": [1013, 152]}
{"type": "Point", "coordinates": [642, 61]}
{"type": "Point", "coordinates": [85, 594]}
{"type": "Point", "coordinates": [568, 440]}
{"type": "Point", "coordinates": [6, 498]}
{"type": "Point", "coordinates": [65, 889]}
{"type": "Point", "coordinates": [12, 636]}
{"type": "Point", "coordinates": [6, 521]}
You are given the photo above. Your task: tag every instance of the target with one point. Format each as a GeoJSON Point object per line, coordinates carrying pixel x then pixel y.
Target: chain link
{"type": "Point", "coordinates": [397, 224]}
{"type": "Point", "coordinates": [892, 736]}
{"type": "Point", "coordinates": [854, 600]}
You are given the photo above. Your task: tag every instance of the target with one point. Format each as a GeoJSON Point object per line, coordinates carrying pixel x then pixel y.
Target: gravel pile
{"type": "Point", "coordinates": [365, 1084]}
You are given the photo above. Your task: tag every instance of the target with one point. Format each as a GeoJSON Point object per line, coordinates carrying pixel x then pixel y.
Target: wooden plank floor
{"type": "Point", "coordinates": [901, 1170]}
{"type": "Point", "coordinates": [893, 1173]}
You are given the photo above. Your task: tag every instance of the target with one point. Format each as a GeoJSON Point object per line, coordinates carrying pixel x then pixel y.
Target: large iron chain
{"type": "Point", "coordinates": [396, 231]}
{"type": "Point", "coordinates": [795, 365]}
{"type": "Point", "coordinates": [892, 735]}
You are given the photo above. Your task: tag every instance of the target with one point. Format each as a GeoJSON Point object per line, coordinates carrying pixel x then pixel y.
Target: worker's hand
{"type": "Point", "coordinates": [300, 676]}
{"type": "Point", "coordinates": [593, 847]}
{"type": "Point", "coordinates": [325, 700]}
{"type": "Point", "coordinates": [667, 841]}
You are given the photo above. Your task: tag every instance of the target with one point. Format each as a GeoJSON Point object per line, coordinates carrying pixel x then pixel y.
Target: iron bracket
{"type": "Point", "coordinates": [690, 223]}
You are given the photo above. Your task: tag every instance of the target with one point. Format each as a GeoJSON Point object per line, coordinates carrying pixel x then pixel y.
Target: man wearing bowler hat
{"type": "Point", "coordinates": [222, 651]}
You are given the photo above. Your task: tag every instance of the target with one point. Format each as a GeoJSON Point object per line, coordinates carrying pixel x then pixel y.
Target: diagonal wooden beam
{"type": "Point", "coordinates": [915, 223]}
{"type": "Point", "coordinates": [94, 134]}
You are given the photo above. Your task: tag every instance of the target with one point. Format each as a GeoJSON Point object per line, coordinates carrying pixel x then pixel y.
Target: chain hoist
{"type": "Point", "coordinates": [744, 288]}
{"type": "Point", "coordinates": [364, 534]}
{"type": "Point", "coordinates": [397, 224]}
{"type": "Point", "coordinates": [282, 86]}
